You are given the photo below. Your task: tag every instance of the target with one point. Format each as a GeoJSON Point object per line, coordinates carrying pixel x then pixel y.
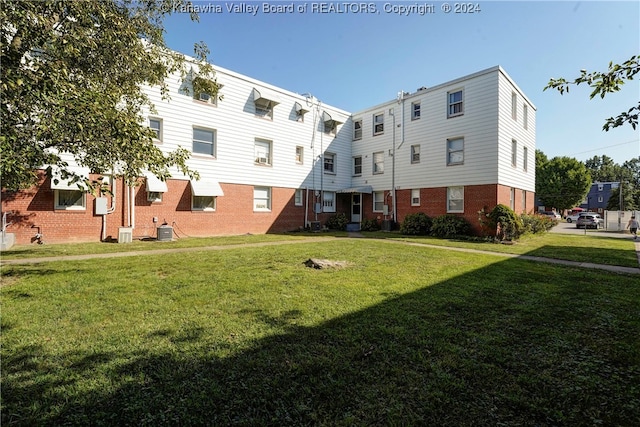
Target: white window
{"type": "Point", "coordinates": [378, 201]}
{"type": "Point", "coordinates": [455, 103]}
{"type": "Point", "coordinates": [455, 199]}
{"type": "Point", "coordinates": [202, 96]}
{"type": "Point", "coordinates": [455, 151]}
{"type": "Point", "coordinates": [299, 155]}
{"type": "Point", "coordinates": [514, 106]}
{"type": "Point", "coordinates": [203, 203]}
{"type": "Point", "coordinates": [298, 198]}
{"type": "Point", "coordinates": [328, 201]}
{"type": "Point", "coordinates": [415, 197]}
{"type": "Point", "coordinates": [525, 116]}
{"type": "Point", "coordinates": [378, 124]}
{"type": "Point", "coordinates": [512, 199]}
{"type": "Point", "coordinates": [357, 166]}
{"type": "Point", "coordinates": [156, 127]}
{"type": "Point", "coordinates": [71, 200]}
{"type": "Point", "coordinates": [262, 150]}
{"type": "Point", "coordinates": [154, 196]}
{"type": "Point", "coordinates": [204, 141]}
{"type": "Point", "coordinates": [331, 127]}
{"type": "Point", "coordinates": [357, 129]}
{"type": "Point", "coordinates": [329, 163]}
{"type": "Point", "coordinates": [415, 110]}
{"type": "Point", "coordinates": [262, 199]}
{"type": "Point", "coordinates": [514, 153]}
{"type": "Point", "coordinates": [525, 160]}
{"type": "Point", "coordinates": [378, 162]}
{"type": "Point", "coordinates": [415, 154]}
{"type": "Point", "coordinates": [600, 199]}
{"type": "Point", "coordinates": [600, 187]}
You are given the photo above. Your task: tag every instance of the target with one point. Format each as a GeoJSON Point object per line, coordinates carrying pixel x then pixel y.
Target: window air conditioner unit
{"type": "Point", "coordinates": [205, 97]}
{"type": "Point", "coordinates": [262, 160]}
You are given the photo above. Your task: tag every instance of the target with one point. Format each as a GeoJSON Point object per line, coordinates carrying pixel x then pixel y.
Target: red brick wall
{"type": "Point", "coordinates": [33, 211]}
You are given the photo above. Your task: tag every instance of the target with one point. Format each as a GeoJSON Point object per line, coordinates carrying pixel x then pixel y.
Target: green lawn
{"type": "Point", "coordinates": [404, 335]}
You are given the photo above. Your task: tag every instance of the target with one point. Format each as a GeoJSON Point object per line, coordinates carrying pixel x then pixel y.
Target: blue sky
{"type": "Point", "coordinates": [357, 60]}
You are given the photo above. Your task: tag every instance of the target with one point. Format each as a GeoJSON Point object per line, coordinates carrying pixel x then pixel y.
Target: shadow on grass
{"type": "Point", "coordinates": [467, 351]}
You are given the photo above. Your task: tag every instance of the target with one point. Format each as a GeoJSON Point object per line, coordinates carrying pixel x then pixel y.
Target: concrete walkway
{"type": "Point", "coordinates": [611, 268]}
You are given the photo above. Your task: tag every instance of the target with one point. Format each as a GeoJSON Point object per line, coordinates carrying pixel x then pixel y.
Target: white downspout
{"type": "Point", "coordinates": [133, 207]}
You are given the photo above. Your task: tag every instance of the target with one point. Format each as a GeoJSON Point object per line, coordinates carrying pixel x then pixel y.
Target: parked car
{"type": "Point", "coordinates": [573, 217]}
{"type": "Point", "coordinates": [552, 215]}
{"type": "Point", "coordinates": [589, 220]}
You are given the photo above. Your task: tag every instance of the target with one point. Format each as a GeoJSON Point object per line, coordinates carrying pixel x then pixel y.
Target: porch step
{"type": "Point", "coordinates": [353, 226]}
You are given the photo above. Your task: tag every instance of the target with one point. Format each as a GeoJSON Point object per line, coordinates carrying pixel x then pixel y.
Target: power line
{"type": "Point", "coordinates": [608, 146]}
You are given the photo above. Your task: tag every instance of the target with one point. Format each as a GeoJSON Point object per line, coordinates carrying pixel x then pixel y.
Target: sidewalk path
{"type": "Point", "coordinates": [611, 268]}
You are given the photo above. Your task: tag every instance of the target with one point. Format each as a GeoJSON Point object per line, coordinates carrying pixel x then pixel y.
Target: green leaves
{"type": "Point", "coordinates": [71, 84]}
{"type": "Point", "coordinates": [604, 83]}
{"type": "Point", "coordinates": [561, 182]}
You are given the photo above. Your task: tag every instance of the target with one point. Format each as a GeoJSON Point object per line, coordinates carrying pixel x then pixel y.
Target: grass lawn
{"type": "Point", "coordinates": [404, 335]}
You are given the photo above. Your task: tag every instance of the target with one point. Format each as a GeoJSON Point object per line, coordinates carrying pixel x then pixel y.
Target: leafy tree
{"type": "Point", "coordinates": [561, 182]}
{"type": "Point", "coordinates": [72, 78]}
{"type": "Point", "coordinates": [604, 83]}
{"type": "Point", "coordinates": [603, 169]}
{"type": "Point", "coordinates": [629, 199]}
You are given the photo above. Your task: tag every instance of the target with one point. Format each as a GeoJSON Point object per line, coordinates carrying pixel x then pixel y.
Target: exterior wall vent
{"type": "Point", "coordinates": [125, 235]}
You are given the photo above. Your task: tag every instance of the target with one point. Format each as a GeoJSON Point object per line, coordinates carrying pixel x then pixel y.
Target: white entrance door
{"type": "Point", "coordinates": [355, 207]}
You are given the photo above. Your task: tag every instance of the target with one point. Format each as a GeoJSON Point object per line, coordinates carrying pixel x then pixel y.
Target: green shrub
{"type": "Point", "coordinates": [507, 224]}
{"type": "Point", "coordinates": [369, 225]}
{"type": "Point", "coordinates": [337, 222]}
{"type": "Point", "coordinates": [535, 224]}
{"type": "Point", "coordinates": [417, 224]}
{"type": "Point", "coordinates": [450, 226]}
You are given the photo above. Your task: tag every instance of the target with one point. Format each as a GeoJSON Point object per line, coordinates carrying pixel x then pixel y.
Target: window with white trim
{"type": "Point", "coordinates": [415, 153]}
{"type": "Point", "coordinates": [600, 187]}
{"type": "Point", "coordinates": [512, 199]}
{"type": "Point", "coordinates": [415, 197]}
{"type": "Point", "coordinates": [70, 200]}
{"type": "Point", "coordinates": [525, 116]}
{"type": "Point", "coordinates": [525, 160]}
{"type": "Point", "coordinates": [600, 199]}
{"type": "Point", "coordinates": [331, 127]}
{"type": "Point", "coordinates": [455, 151]}
{"type": "Point", "coordinates": [415, 110]}
{"type": "Point", "coordinates": [329, 163]}
{"type": "Point", "coordinates": [357, 129]}
{"type": "Point", "coordinates": [524, 201]}
{"type": "Point", "coordinates": [455, 199]}
{"type": "Point", "coordinates": [378, 201]}
{"type": "Point", "coordinates": [155, 125]}
{"type": "Point", "coordinates": [299, 154]}
{"type": "Point", "coordinates": [455, 103]}
{"type": "Point", "coordinates": [357, 165]}
{"type": "Point", "coordinates": [262, 199]}
{"type": "Point", "coordinates": [202, 96]}
{"type": "Point", "coordinates": [378, 162]}
{"type": "Point", "coordinates": [328, 201]}
{"type": "Point", "coordinates": [154, 196]}
{"type": "Point", "coordinates": [204, 141]}
{"type": "Point", "coordinates": [203, 203]}
{"type": "Point", "coordinates": [514, 106]}
{"type": "Point", "coordinates": [514, 153]}
{"type": "Point", "coordinates": [262, 152]}
{"type": "Point", "coordinates": [378, 124]}
{"type": "Point", "coordinates": [264, 108]}
{"type": "Point", "coordinates": [298, 197]}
